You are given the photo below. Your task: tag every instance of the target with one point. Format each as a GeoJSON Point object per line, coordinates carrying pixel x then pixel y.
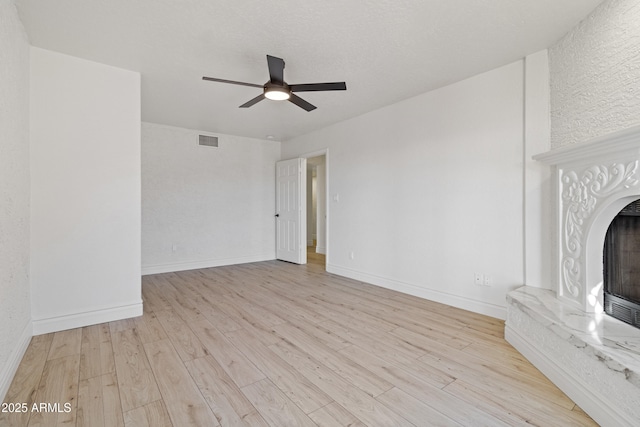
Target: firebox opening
{"type": "Point", "coordinates": [622, 266]}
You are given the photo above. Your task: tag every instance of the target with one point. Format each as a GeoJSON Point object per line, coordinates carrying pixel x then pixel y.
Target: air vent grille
{"type": "Point", "coordinates": [622, 313]}
{"type": "Point", "coordinates": [622, 309]}
{"type": "Point", "coordinates": [208, 141]}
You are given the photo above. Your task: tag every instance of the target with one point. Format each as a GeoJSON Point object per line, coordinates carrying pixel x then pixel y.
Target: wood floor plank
{"type": "Point", "coordinates": [397, 374]}
{"type": "Point", "coordinates": [368, 331]}
{"type": "Point", "coordinates": [349, 310]}
{"type": "Point", "coordinates": [266, 317]}
{"type": "Point", "coordinates": [65, 343]}
{"type": "Point", "coordinates": [226, 400]}
{"type": "Point", "coordinates": [59, 388]}
{"type": "Point", "coordinates": [350, 371]}
{"type": "Point", "coordinates": [363, 406]}
{"type": "Point", "coordinates": [149, 328]}
{"type": "Point", "coordinates": [321, 334]}
{"type": "Point", "coordinates": [293, 312]}
{"type": "Point", "coordinates": [504, 355]}
{"type": "Point", "coordinates": [183, 400]}
{"type": "Point", "coordinates": [492, 378]}
{"type": "Point", "coordinates": [121, 325]}
{"type": "Point", "coordinates": [239, 368]}
{"type": "Point", "coordinates": [151, 293]}
{"type": "Point", "coordinates": [294, 385]}
{"type": "Point", "coordinates": [137, 383]}
{"type": "Point", "coordinates": [96, 351]}
{"type": "Point", "coordinates": [416, 339]}
{"type": "Point", "coordinates": [182, 337]}
{"type": "Point", "coordinates": [334, 415]}
{"type": "Point", "coordinates": [217, 317]}
{"type": "Point", "coordinates": [99, 402]}
{"type": "Point", "coordinates": [26, 381]}
{"type": "Point", "coordinates": [152, 414]}
{"type": "Point", "coordinates": [373, 344]}
{"type": "Point", "coordinates": [274, 406]}
{"type": "Point", "coordinates": [177, 299]}
{"type": "Point", "coordinates": [414, 410]}
{"type": "Point", "coordinates": [204, 300]}
{"type": "Point", "coordinates": [248, 321]}
{"type": "Point", "coordinates": [236, 317]}
{"type": "Point", "coordinates": [426, 387]}
{"type": "Point", "coordinates": [516, 413]}
{"type": "Point", "coordinates": [111, 400]}
{"type": "Point", "coordinates": [90, 407]}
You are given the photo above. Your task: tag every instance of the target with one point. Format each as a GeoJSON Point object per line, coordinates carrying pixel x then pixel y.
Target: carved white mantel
{"type": "Point", "coordinates": [594, 181]}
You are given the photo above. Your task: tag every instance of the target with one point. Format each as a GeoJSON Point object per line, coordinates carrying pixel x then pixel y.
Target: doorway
{"type": "Point", "coordinates": [316, 208]}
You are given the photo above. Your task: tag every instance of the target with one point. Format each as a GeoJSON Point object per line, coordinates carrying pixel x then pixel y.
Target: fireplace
{"type": "Point", "coordinates": [622, 266]}
{"type": "Point", "coordinates": [564, 328]}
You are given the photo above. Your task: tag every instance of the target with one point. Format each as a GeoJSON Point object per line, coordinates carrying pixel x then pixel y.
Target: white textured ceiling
{"type": "Point", "coordinates": [385, 50]}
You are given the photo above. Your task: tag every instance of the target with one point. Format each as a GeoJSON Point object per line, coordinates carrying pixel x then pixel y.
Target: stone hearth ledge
{"type": "Point", "coordinates": [592, 357]}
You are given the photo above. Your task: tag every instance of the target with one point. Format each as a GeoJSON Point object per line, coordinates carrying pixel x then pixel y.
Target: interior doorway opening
{"type": "Point", "coordinates": [316, 209]}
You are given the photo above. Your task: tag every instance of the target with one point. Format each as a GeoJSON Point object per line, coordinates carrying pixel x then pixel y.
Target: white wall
{"type": "Point", "coordinates": [85, 192]}
{"type": "Point", "coordinates": [594, 75]}
{"type": "Point", "coordinates": [430, 191]}
{"type": "Point", "coordinates": [539, 227]}
{"type": "Point", "coordinates": [15, 309]}
{"type": "Point", "coordinates": [205, 206]}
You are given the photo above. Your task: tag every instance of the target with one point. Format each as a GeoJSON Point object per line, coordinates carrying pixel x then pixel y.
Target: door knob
{"type": "Point", "coordinates": [277, 215]}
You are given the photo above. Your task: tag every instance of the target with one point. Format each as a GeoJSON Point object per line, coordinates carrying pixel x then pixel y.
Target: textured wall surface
{"type": "Point", "coordinates": [14, 185]}
{"type": "Point", "coordinates": [595, 70]}
{"type": "Point", "coordinates": [205, 206]}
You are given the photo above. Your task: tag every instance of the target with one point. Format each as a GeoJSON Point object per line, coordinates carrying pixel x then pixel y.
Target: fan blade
{"type": "Point", "coordinates": [213, 79]}
{"type": "Point", "coordinates": [276, 70]}
{"type": "Point", "coordinates": [301, 102]}
{"type": "Point", "coordinates": [253, 101]}
{"type": "Point", "coordinates": [311, 87]}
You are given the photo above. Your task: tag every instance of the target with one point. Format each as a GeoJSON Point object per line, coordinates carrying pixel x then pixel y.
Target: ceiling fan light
{"type": "Point", "coordinates": [277, 94]}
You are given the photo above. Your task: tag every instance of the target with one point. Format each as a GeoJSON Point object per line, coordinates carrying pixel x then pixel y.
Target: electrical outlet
{"type": "Point", "coordinates": [174, 247]}
{"type": "Point", "coordinates": [352, 255]}
{"type": "Point", "coordinates": [487, 280]}
{"type": "Point", "coordinates": [478, 279]}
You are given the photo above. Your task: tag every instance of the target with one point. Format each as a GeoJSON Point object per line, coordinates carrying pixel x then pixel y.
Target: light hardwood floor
{"type": "Point", "coordinates": [276, 344]}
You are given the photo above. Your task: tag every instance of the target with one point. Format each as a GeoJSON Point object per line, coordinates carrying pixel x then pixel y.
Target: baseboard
{"type": "Point", "coordinates": [78, 320]}
{"type": "Point", "coordinates": [321, 250]}
{"type": "Point", "coordinates": [593, 404]}
{"type": "Point", "coordinates": [430, 294]}
{"type": "Point", "coordinates": [193, 265]}
{"type": "Point", "coordinates": [9, 369]}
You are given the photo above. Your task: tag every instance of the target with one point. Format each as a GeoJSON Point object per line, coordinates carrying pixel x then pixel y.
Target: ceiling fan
{"type": "Point", "coordinates": [277, 89]}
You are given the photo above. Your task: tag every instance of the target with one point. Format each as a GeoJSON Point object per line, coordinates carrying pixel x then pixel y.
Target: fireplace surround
{"type": "Point", "coordinates": [564, 331]}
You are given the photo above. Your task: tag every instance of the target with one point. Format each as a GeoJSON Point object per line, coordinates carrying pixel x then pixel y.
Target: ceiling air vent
{"type": "Point", "coordinates": [209, 141]}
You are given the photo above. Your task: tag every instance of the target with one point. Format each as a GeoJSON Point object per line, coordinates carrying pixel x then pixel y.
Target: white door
{"type": "Point", "coordinates": [291, 205]}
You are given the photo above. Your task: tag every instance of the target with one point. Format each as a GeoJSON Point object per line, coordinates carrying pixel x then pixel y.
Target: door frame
{"type": "Point", "coordinates": [323, 152]}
